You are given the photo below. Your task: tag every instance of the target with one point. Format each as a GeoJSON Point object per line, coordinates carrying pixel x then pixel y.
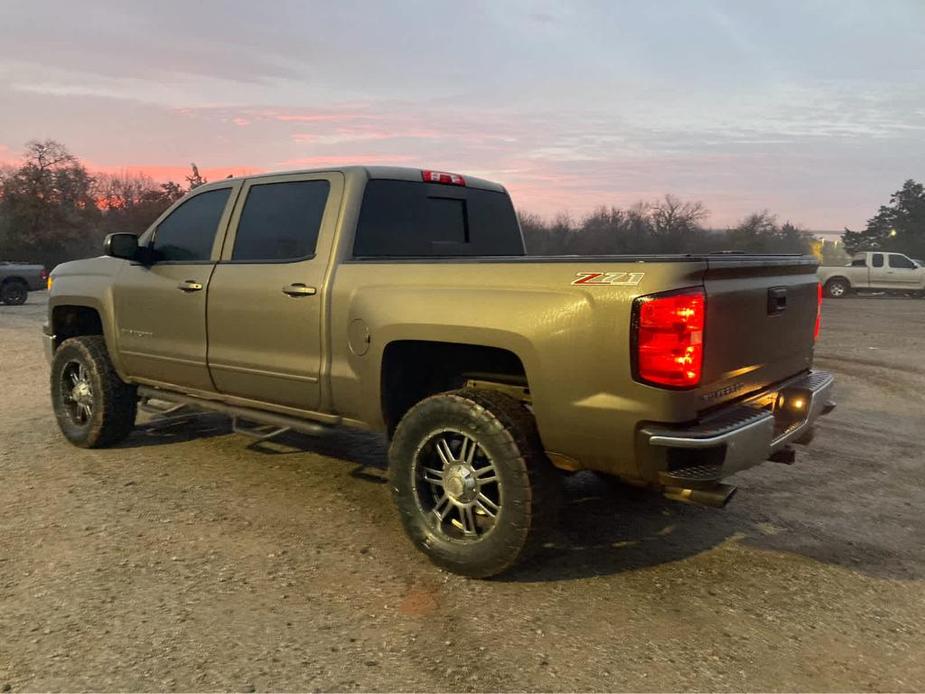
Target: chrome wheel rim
{"type": "Point", "coordinates": [837, 289]}
{"type": "Point", "coordinates": [77, 393]}
{"type": "Point", "coordinates": [457, 484]}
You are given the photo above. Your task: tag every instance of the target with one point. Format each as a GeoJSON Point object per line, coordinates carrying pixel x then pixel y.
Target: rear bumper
{"type": "Point", "coordinates": [740, 436]}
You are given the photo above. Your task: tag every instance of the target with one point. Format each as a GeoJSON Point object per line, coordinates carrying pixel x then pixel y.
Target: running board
{"type": "Point", "coordinates": [261, 432]}
{"type": "Point", "coordinates": [145, 406]}
{"type": "Point", "coordinates": [280, 422]}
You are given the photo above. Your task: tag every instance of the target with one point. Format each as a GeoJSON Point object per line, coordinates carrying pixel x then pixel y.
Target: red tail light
{"type": "Point", "coordinates": [818, 311]}
{"type": "Point", "coordinates": [443, 177]}
{"type": "Point", "coordinates": [43, 275]}
{"type": "Point", "coordinates": [668, 338]}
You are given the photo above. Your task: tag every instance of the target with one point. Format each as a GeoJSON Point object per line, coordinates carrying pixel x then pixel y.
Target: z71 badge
{"type": "Point", "coordinates": [611, 279]}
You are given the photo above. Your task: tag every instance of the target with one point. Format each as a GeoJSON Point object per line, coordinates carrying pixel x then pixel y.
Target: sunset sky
{"type": "Point", "coordinates": [814, 110]}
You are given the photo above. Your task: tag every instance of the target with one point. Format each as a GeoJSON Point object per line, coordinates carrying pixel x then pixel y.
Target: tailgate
{"type": "Point", "coordinates": [761, 315]}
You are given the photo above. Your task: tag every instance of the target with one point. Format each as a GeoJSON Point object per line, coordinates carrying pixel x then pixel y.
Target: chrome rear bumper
{"type": "Point", "coordinates": [741, 436]}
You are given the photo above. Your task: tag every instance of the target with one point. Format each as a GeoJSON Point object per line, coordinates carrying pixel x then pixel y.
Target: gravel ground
{"type": "Point", "coordinates": [190, 559]}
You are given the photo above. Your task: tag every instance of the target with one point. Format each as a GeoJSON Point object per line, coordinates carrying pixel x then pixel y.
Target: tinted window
{"type": "Point", "coordinates": [410, 219]}
{"type": "Point", "coordinates": [878, 260]}
{"type": "Point", "coordinates": [280, 221]}
{"type": "Point", "coordinates": [902, 262]}
{"type": "Point", "coordinates": [188, 232]}
{"type": "Point", "coordinates": [860, 262]}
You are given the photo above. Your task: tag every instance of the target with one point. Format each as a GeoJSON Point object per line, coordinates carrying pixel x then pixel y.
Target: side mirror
{"type": "Point", "coordinates": [121, 246]}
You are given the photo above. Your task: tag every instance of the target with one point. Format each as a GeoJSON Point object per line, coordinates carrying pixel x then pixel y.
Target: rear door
{"type": "Point", "coordinates": [161, 308]}
{"type": "Point", "coordinates": [266, 298]}
{"type": "Point", "coordinates": [761, 316]}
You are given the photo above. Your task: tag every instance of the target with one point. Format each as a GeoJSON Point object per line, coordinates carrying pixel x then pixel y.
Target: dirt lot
{"type": "Point", "coordinates": [188, 559]}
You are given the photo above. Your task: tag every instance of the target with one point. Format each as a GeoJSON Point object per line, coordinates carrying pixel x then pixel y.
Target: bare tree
{"type": "Point", "coordinates": [672, 216]}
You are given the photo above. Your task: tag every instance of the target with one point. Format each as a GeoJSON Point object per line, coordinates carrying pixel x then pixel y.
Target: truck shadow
{"type": "Point", "coordinates": [185, 427]}
{"type": "Point", "coordinates": [607, 528]}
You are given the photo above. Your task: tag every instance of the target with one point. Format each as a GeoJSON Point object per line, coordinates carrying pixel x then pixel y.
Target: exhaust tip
{"type": "Point", "coordinates": [716, 496]}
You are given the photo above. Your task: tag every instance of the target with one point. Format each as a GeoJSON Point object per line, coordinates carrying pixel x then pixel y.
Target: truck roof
{"type": "Point", "coordinates": [394, 173]}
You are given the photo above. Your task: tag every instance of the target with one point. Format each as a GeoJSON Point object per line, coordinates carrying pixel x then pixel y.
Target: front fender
{"type": "Point", "coordinates": [88, 284]}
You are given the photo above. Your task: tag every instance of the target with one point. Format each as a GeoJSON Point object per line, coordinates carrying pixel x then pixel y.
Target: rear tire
{"type": "Point", "coordinates": [14, 293]}
{"type": "Point", "coordinates": [475, 490]}
{"type": "Point", "coordinates": [94, 407]}
{"type": "Point", "coordinates": [837, 288]}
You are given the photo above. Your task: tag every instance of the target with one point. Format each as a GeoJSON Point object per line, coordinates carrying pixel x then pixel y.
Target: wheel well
{"type": "Point", "coordinates": [72, 321]}
{"type": "Point", "coordinates": [415, 369]}
{"type": "Point", "coordinates": [838, 277]}
{"type": "Point", "coordinates": [9, 280]}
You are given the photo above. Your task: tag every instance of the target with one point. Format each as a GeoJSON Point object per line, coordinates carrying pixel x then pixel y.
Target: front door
{"type": "Point", "coordinates": [903, 273]}
{"type": "Point", "coordinates": [266, 297]}
{"type": "Point", "coordinates": [161, 308]}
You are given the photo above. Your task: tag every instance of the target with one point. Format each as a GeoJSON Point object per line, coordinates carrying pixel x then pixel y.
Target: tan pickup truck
{"type": "Point", "coordinates": [402, 301]}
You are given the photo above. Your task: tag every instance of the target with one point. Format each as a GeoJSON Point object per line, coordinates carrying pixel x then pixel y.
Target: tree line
{"type": "Point", "coordinates": [52, 210]}
{"type": "Point", "coordinates": [667, 225]}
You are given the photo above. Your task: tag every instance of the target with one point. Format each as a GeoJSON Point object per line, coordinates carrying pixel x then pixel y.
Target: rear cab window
{"type": "Point", "coordinates": [877, 260]}
{"type": "Point", "coordinates": [411, 219]}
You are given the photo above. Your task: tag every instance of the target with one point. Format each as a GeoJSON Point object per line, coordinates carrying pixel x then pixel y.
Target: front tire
{"type": "Point", "coordinates": [475, 490]}
{"type": "Point", "coordinates": [94, 407]}
{"type": "Point", "coordinates": [837, 288]}
{"type": "Point", "coordinates": [14, 293]}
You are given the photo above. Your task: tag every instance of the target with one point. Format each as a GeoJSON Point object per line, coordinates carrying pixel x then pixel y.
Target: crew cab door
{"type": "Point", "coordinates": [160, 309]}
{"type": "Point", "coordinates": [266, 299]}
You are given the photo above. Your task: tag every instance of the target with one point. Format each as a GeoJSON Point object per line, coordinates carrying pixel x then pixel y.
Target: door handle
{"type": "Point", "coordinates": [190, 286]}
{"type": "Point", "coordinates": [299, 289]}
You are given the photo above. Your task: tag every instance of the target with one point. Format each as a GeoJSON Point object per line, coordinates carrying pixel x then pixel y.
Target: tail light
{"type": "Point", "coordinates": [443, 177]}
{"type": "Point", "coordinates": [818, 311]}
{"type": "Point", "coordinates": [43, 275]}
{"type": "Point", "coordinates": [668, 338]}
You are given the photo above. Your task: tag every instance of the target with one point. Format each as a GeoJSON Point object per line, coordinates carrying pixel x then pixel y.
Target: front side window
{"type": "Point", "coordinates": [901, 261]}
{"type": "Point", "coordinates": [189, 231]}
{"type": "Point", "coordinates": [280, 221]}
{"type": "Point", "coordinates": [878, 260]}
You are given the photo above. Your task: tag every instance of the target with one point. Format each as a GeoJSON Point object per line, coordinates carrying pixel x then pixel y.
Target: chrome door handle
{"type": "Point", "coordinates": [299, 289]}
{"type": "Point", "coordinates": [190, 286]}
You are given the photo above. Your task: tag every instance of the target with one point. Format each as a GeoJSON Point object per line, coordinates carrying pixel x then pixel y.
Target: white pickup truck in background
{"type": "Point", "coordinates": [874, 271]}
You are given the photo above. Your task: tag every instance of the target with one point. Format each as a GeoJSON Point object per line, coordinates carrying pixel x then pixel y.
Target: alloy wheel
{"type": "Point", "coordinates": [457, 486]}
{"type": "Point", "coordinates": [76, 392]}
